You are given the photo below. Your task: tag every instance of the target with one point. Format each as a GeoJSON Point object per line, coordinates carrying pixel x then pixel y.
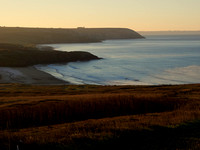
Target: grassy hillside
{"type": "Point", "coordinates": [59, 35]}
{"type": "Point", "coordinates": [99, 117]}
{"type": "Point", "coordinates": [12, 55]}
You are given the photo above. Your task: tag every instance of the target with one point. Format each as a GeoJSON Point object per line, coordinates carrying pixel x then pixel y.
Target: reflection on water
{"type": "Point", "coordinates": [151, 61]}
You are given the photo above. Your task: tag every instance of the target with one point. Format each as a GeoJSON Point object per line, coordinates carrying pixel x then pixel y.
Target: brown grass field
{"type": "Point", "coordinates": [99, 117]}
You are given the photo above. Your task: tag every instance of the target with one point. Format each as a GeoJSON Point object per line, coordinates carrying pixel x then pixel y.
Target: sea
{"type": "Point", "coordinates": [156, 60]}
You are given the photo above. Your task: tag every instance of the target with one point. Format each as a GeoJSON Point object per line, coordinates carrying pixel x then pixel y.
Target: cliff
{"type": "Point", "coordinates": [60, 35]}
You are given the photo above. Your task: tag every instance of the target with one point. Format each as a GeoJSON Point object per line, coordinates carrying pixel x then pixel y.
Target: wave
{"type": "Point", "coordinates": [179, 75]}
{"type": "Point", "coordinates": [135, 62]}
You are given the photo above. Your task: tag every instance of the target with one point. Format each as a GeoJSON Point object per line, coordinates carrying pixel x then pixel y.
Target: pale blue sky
{"type": "Point", "coordinates": [135, 14]}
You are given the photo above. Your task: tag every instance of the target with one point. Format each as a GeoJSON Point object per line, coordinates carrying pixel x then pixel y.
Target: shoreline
{"type": "Point", "coordinates": [28, 75]}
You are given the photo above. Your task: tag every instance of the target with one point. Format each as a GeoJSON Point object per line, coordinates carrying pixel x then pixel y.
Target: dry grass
{"type": "Point", "coordinates": [138, 117]}
{"type": "Point", "coordinates": [48, 111]}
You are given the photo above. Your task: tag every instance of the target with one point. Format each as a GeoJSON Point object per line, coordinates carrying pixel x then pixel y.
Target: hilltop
{"type": "Point", "coordinates": [63, 35]}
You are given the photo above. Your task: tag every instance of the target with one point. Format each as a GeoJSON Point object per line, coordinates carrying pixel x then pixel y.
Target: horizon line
{"type": "Point", "coordinates": [102, 27]}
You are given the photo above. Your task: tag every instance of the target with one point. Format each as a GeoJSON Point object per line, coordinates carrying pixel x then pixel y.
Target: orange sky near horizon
{"type": "Point", "coordinates": [139, 15]}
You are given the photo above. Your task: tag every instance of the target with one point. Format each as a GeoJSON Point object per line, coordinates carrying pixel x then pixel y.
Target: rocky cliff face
{"type": "Point", "coordinates": [53, 35]}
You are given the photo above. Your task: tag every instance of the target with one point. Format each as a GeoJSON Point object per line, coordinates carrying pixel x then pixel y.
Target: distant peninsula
{"type": "Point", "coordinates": [13, 55]}
{"type": "Point", "coordinates": [19, 35]}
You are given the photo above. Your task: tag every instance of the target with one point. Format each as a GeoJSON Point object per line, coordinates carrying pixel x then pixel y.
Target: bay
{"type": "Point", "coordinates": [156, 60]}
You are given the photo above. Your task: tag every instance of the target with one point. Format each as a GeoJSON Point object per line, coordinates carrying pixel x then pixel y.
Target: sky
{"type": "Point", "coordinates": [139, 15]}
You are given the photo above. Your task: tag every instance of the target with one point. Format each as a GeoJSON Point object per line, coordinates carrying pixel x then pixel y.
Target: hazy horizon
{"type": "Point", "coordinates": [143, 15]}
{"type": "Point", "coordinates": [100, 27]}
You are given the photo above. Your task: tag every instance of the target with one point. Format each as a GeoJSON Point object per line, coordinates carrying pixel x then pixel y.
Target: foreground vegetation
{"type": "Point", "coordinates": [99, 117]}
{"type": "Point", "coordinates": [12, 55]}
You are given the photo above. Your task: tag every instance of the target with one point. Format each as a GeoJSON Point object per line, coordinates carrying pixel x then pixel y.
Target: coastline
{"type": "Point", "coordinates": [28, 75]}
{"type": "Point", "coordinates": [21, 69]}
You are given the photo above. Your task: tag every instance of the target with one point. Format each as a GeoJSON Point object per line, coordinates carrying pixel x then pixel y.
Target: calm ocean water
{"type": "Point", "coordinates": [158, 59]}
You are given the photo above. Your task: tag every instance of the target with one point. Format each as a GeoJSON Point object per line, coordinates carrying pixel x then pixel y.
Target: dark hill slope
{"type": "Point", "coordinates": [61, 35]}
{"type": "Point", "coordinates": [12, 55]}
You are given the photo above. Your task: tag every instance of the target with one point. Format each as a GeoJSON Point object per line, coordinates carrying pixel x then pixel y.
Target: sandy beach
{"type": "Point", "coordinates": [27, 75]}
